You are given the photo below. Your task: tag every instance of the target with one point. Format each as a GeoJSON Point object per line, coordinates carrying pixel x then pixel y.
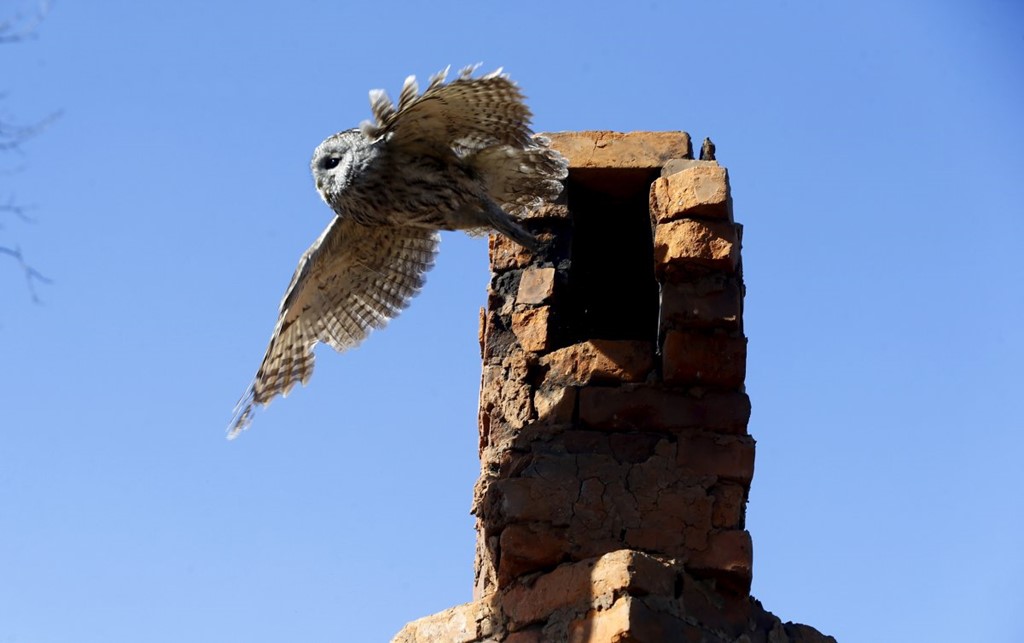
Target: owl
{"type": "Point", "coordinates": [459, 156]}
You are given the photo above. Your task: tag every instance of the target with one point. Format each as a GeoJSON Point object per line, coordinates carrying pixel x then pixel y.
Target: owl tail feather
{"type": "Point", "coordinates": [518, 180]}
{"type": "Point", "coordinates": [521, 178]}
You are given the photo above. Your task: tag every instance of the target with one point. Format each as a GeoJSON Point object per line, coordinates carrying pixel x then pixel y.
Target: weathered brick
{"type": "Point", "coordinates": [501, 291]}
{"type": "Point", "coordinates": [706, 606]}
{"type": "Point", "coordinates": [583, 583]}
{"type": "Point", "coordinates": [505, 396]}
{"type": "Point", "coordinates": [485, 573]}
{"type": "Point", "coordinates": [536, 286]}
{"type": "Point", "coordinates": [681, 246]}
{"type": "Point", "coordinates": [535, 499]}
{"type": "Point", "coordinates": [727, 456]}
{"type": "Point", "coordinates": [714, 359]}
{"type": "Point", "coordinates": [630, 620]}
{"type": "Point", "coordinates": [527, 548]}
{"type": "Point", "coordinates": [708, 301]}
{"type": "Point", "coordinates": [656, 409]}
{"type": "Point", "coordinates": [635, 446]}
{"type": "Point", "coordinates": [577, 442]}
{"type": "Point", "coordinates": [599, 360]}
{"type": "Point", "coordinates": [532, 327]}
{"type": "Point", "coordinates": [650, 538]}
{"type": "Point", "coordinates": [555, 405]}
{"type": "Point", "coordinates": [506, 254]}
{"type": "Point", "coordinates": [467, 623]}
{"type": "Point", "coordinates": [729, 557]}
{"type": "Point", "coordinates": [632, 150]}
{"type": "Point", "coordinates": [678, 165]}
{"type": "Point", "coordinates": [498, 339]}
{"type": "Point", "coordinates": [589, 510]}
{"type": "Point", "coordinates": [557, 210]}
{"type": "Point", "coordinates": [701, 190]}
{"type": "Point", "coordinates": [598, 531]}
{"type": "Point", "coordinates": [730, 499]}
{"type": "Point", "coordinates": [599, 626]}
{"type": "Point", "coordinates": [674, 520]}
{"type": "Point", "coordinates": [530, 635]}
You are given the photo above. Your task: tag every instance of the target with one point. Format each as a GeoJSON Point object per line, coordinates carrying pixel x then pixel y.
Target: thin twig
{"type": "Point", "coordinates": [31, 274]}
{"type": "Point", "coordinates": [19, 27]}
{"type": "Point", "coordinates": [18, 210]}
{"type": "Point", "coordinates": [12, 31]}
{"type": "Point", "coordinates": [12, 136]}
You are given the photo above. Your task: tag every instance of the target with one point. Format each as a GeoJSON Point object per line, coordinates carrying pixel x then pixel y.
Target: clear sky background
{"type": "Point", "coordinates": [876, 153]}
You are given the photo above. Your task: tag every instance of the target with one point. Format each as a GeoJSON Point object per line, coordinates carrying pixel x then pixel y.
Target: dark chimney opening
{"type": "Point", "coordinates": [613, 293]}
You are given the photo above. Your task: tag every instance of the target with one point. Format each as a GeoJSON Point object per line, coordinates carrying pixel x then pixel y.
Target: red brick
{"type": "Point", "coordinates": [682, 245]}
{"type": "Point", "coordinates": [589, 510]}
{"type": "Point", "coordinates": [555, 405]}
{"type": "Point", "coordinates": [634, 447]}
{"type": "Point", "coordinates": [701, 190]}
{"type": "Point", "coordinates": [557, 210]}
{"type": "Point", "coordinates": [604, 626]}
{"type": "Point", "coordinates": [714, 359]}
{"type": "Point", "coordinates": [628, 620]}
{"type": "Point", "coordinates": [536, 286]}
{"type": "Point", "coordinates": [651, 408]}
{"type": "Point", "coordinates": [505, 396]}
{"type": "Point", "coordinates": [583, 583]}
{"type": "Point", "coordinates": [531, 327]}
{"type": "Point", "coordinates": [506, 254]}
{"type": "Point", "coordinates": [631, 150]}
{"type": "Point", "coordinates": [655, 539]}
{"type": "Point", "coordinates": [537, 499]}
{"type": "Point", "coordinates": [711, 610]}
{"type": "Point", "coordinates": [528, 548]}
{"type": "Point", "coordinates": [586, 442]}
{"type": "Point", "coordinates": [729, 557]}
{"type": "Point", "coordinates": [467, 623]}
{"type": "Point", "coordinates": [597, 520]}
{"type": "Point", "coordinates": [674, 519]}
{"type": "Point", "coordinates": [498, 337]}
{"type": "Point", "coordinates": [711, 301]}
{"type": "Point", "coordinates": [566, 586]}
{"type": "Point", "coordinates": [729, 507]}
{"type": "Point", "coordinates": [599, 360]}
{"type": "Point", "coordinates": [532, 635]}
{"type": "Point", "coordinates": [726, 456]}
{"type": "Point", "coordinates": [678, 165]}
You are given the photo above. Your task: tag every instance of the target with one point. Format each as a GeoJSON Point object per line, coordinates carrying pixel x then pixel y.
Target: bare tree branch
{"type": "Point", "coordinates": [22, 26]}
{"type": "Point", "coordinates": [19, 211]}
{"type": "Point", "coordinates": [32, 276]}
{"type": "Point", "coordinates": [12, 135]}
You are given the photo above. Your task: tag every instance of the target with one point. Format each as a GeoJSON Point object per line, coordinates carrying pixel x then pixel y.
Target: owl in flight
{"type": "Point", "coordinates": [459, 156]}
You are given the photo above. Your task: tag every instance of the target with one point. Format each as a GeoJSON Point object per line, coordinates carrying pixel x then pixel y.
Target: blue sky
{"type": "Point", "coordinates": [876, 153]}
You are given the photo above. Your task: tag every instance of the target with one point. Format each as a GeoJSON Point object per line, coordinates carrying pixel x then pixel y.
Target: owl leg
{"type": "Point", "coordinates": [497, 219]}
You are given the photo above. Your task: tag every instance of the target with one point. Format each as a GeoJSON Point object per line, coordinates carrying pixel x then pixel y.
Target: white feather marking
{"type": "Point", "coordinates": [409, 91]}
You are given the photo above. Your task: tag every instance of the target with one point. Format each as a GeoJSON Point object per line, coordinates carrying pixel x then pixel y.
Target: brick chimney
{"type": "Point", "coordinates": [615, 458]}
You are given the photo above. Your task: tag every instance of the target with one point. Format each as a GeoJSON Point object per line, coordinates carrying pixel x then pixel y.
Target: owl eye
{"type": "Point", "coordinates": [330, 162]}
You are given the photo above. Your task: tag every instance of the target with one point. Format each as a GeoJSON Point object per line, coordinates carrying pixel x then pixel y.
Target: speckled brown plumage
{"type": "Point", "coordinates": [459, 156]}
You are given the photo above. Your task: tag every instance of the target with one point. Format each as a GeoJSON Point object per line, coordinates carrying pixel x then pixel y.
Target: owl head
{"type": "Point", "coordinates": [336, 162]}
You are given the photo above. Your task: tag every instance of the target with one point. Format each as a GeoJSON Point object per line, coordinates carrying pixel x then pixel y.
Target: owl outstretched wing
{"type": "Point", "coordinates": [467, 113]}
{"type": "Point", "coordinates": [352, 279]}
